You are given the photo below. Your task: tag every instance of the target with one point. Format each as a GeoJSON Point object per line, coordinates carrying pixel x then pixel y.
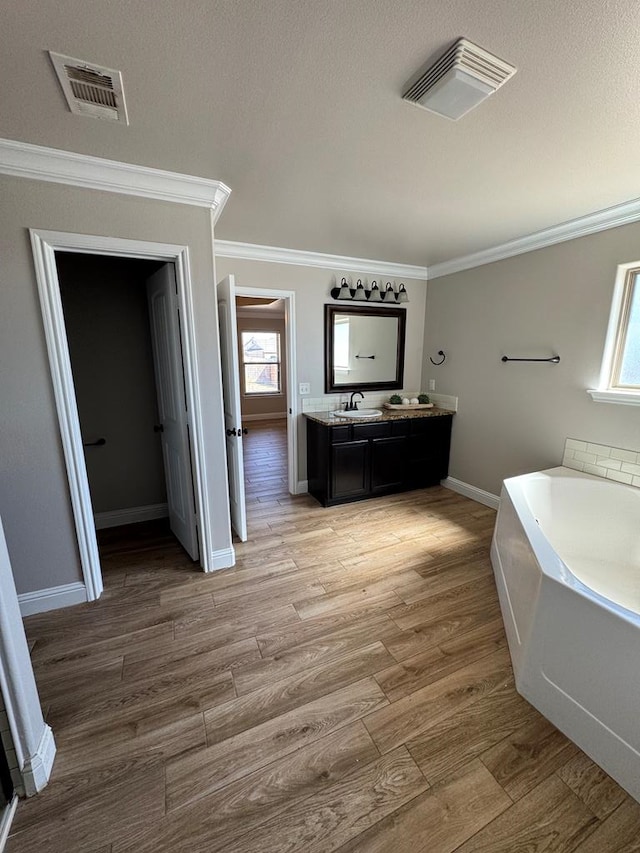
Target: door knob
{"type": "Point", "coordinates": [231, 431]}
{"type": "Point", "coordinates": [244, 430]}
{"type": "Point", "coordinates": [158, 428]}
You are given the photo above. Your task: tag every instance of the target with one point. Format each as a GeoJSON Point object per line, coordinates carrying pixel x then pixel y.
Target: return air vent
{"type": "Point", "coordinates": [463, 77]}
{"type": "Point", "coordinates": [91, 90]}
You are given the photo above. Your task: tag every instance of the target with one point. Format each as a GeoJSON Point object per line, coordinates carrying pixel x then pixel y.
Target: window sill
{"type": "Point", "coordinates": [624, 398]}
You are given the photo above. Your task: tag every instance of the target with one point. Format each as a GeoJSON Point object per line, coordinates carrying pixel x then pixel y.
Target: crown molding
{"type": "Point", "coordinates": [24, 160]}
{"type": "Point", "coordinates": [274, 255]}
{"type": "Point", "coordinates": [601, 220]}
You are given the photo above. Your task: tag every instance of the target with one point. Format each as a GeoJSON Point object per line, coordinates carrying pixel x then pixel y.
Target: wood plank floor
{"type": "Point", "coordinates": [346, 687]}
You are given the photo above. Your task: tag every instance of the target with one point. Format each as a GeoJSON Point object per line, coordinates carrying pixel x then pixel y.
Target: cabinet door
{"type": "Point", "coordinates": [388, 463]}
{"type": "Point", "coordinates": [349, 469]}
{"type": "Point", "coordinates": [429, 451]}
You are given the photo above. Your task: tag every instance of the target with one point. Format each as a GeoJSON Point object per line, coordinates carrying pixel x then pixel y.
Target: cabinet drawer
{"type": "Point", "coordinates": [361, 431]}
{"type": "Point", "coordinates": [340, 433]}
{"type": "Point", "coordinates": [402, 427]}
{"type": "Point", "coordinates": [438, 425]}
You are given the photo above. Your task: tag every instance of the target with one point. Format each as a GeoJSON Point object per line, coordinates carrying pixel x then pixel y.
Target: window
{"type": "Point", "coordinates": [341, 360]}
{"type": "Point", "coordinates": [620, 374]}
{"type": "Point", "coordinates": [260, 353]}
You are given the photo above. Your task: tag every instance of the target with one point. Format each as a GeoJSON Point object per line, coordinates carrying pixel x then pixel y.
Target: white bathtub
{"type": "Point", "coordinates": [566, 557]}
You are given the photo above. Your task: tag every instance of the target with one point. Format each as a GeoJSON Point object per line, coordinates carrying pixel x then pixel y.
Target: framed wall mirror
{"type": "Point", "coordinates": [363, 348]}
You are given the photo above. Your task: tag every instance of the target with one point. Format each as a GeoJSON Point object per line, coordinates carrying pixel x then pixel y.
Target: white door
{"type": "Point", "coordinates": [162, 297]}
{"type": "Point", "coordinates": [232, 412]}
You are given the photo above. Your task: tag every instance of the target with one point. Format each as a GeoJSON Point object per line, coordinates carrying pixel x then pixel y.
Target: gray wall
{"type": "Point", "coordinates": [34, 493]}
{"type": "Point", "coordinates": [271, 405]}
{"type": "Point", "coordinates": [105, 310]}
{"type": "Point", "coordinates": [514, 418]}
{"type": "Point", "coordinates": [312, 287]}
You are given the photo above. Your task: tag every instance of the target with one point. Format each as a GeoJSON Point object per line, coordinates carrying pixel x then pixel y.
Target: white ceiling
{"type": "Point", "coordinates": [296, 105]}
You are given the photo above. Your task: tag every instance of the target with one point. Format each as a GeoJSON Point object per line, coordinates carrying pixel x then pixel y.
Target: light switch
{"type": "Point", "coordinates": [305, 388]}
{"type": "Point", "coordinates": [432, 385]}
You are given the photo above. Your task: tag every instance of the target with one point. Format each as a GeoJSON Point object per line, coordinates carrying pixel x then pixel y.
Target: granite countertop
{"type": "Point", "coordinates": [329, 419]}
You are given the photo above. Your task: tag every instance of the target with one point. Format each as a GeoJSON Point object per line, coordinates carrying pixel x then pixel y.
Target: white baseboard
{"type": "Point", "coordinates": [37, 768]}
{"type": "Point", "coordinates": [7, 820]}
{"type": "Point", "coordinates": [473, 492]}
{"type": "Point", "coordinates": [302, 487]}
{"type": "Point", "coordinates": [223, 559]}
{"type": "Point", "coordinates": [131, 515]}
{"type": "Point", "coordinates": [276, 416]}
{"type": "Point", "coordinates": [52, 598]}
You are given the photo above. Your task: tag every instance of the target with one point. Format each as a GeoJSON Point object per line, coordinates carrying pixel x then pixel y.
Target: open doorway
{"type": "Point", "coordinates": [126, 360]}
{"type": "Point", "coordinates": [256, 360]}
{"type": "Point", "coordinates": [45, 245]}
{"type": "Point", "coordinates": [263, 368]}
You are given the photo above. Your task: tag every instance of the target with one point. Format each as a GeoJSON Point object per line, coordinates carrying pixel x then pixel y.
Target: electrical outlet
{"type": "Point", "coordinates": [304, 388]}
{"type": "Point", "coordinates": [432, 385]}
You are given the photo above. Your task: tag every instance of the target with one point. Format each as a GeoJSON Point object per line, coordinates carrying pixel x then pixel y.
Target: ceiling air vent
{"type": "Point", "coordinates": [91, 90]}
{"type": "Point", "coordinates": [463, 77]}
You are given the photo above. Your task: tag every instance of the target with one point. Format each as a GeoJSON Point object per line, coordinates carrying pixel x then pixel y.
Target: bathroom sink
{"type": "Point", "coordinates": [359, 413]}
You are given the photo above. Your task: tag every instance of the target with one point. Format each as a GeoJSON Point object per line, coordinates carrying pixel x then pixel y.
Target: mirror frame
{"type": "Point", "coordinates": [330, 310]}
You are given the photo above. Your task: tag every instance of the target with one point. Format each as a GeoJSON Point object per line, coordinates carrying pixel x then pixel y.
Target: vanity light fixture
{"type": "Point", "coordinates": [342, 292]}
{"type": "Point", "coordinates": [374, 293]}
{"type": "Point", "coordinates": [360, 293]}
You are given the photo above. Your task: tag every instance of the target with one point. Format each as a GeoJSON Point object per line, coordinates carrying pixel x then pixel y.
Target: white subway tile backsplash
{"type": "Point", "coordinates": [596, 470]}
{"type": "Point", "coordinates": [624, 455]}
{"type": "Point", "coordinates": [620, 477]}
{"type": "Point", "coordinates": [601, 460]}
{"type": "Point", "coordinates": [333, 402]}
{"type": "Point", "coordinates": [585, 457]}
{"type": "Point", "coordinates": [605, 462]}
{"type": "Point", "coordinates": [598, 449]}
{"type": "Point", "coordinates": [630, 468]}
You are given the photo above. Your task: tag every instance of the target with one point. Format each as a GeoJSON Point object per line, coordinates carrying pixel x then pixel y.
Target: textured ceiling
{"type": "Point", "coordinates": [295, 104]}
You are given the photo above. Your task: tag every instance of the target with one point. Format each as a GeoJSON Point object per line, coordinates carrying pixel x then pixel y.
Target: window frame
{"type": "Point", "coordinates": [609, 390]}
{"type": "Point", "coordinates": [243, 385]}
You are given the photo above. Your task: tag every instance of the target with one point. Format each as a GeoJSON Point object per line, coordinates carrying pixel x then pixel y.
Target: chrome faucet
{"type": "Point", "coordinates": [351, 406]}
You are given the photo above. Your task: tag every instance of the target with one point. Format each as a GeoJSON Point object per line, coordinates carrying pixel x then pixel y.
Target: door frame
{"type": "Point", "coordinates": [289, 298]}
{"type": "Point", "coordinates": [44, 246]}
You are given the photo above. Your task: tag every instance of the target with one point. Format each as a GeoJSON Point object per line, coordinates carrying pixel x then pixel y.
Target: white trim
{"type": "Point", "coordinates": [582, 226]}
{"type": "Point", "coordinates": [607, 392]}
{"type": "Point", "coordinates": [52, 598]}
{"type": "Point", "coordinates": [7, 819]}
{"type": "Point", "coordinates": [32, 738]}
{"type": "Point", "coordinates": [44, 245]}
{"type": "Point", "coordinates": [131, 515]}
{"type": "Point", "coordinates": [275, 255]}
{"type": "Point", "coordinates": [473, 492]}
{"type": "Point", "coordinates": [625, 398]}
{"type": "Point", "coordinates": [289, 298]}
{"type": "Point", "coordinates": [23, 160]}
{"type": "Point", "coordinates": [274, 416]}
{"type": "Point", "coordinates": [302, 487]}
{"type": "Point", "coordinates": [37, 767]}
{"type": "Point", "coordinates": [222, 559]}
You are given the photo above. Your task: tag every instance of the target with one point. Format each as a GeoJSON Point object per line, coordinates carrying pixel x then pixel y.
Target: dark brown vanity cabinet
{"type": "Point", "coordinates": [347, 462]}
